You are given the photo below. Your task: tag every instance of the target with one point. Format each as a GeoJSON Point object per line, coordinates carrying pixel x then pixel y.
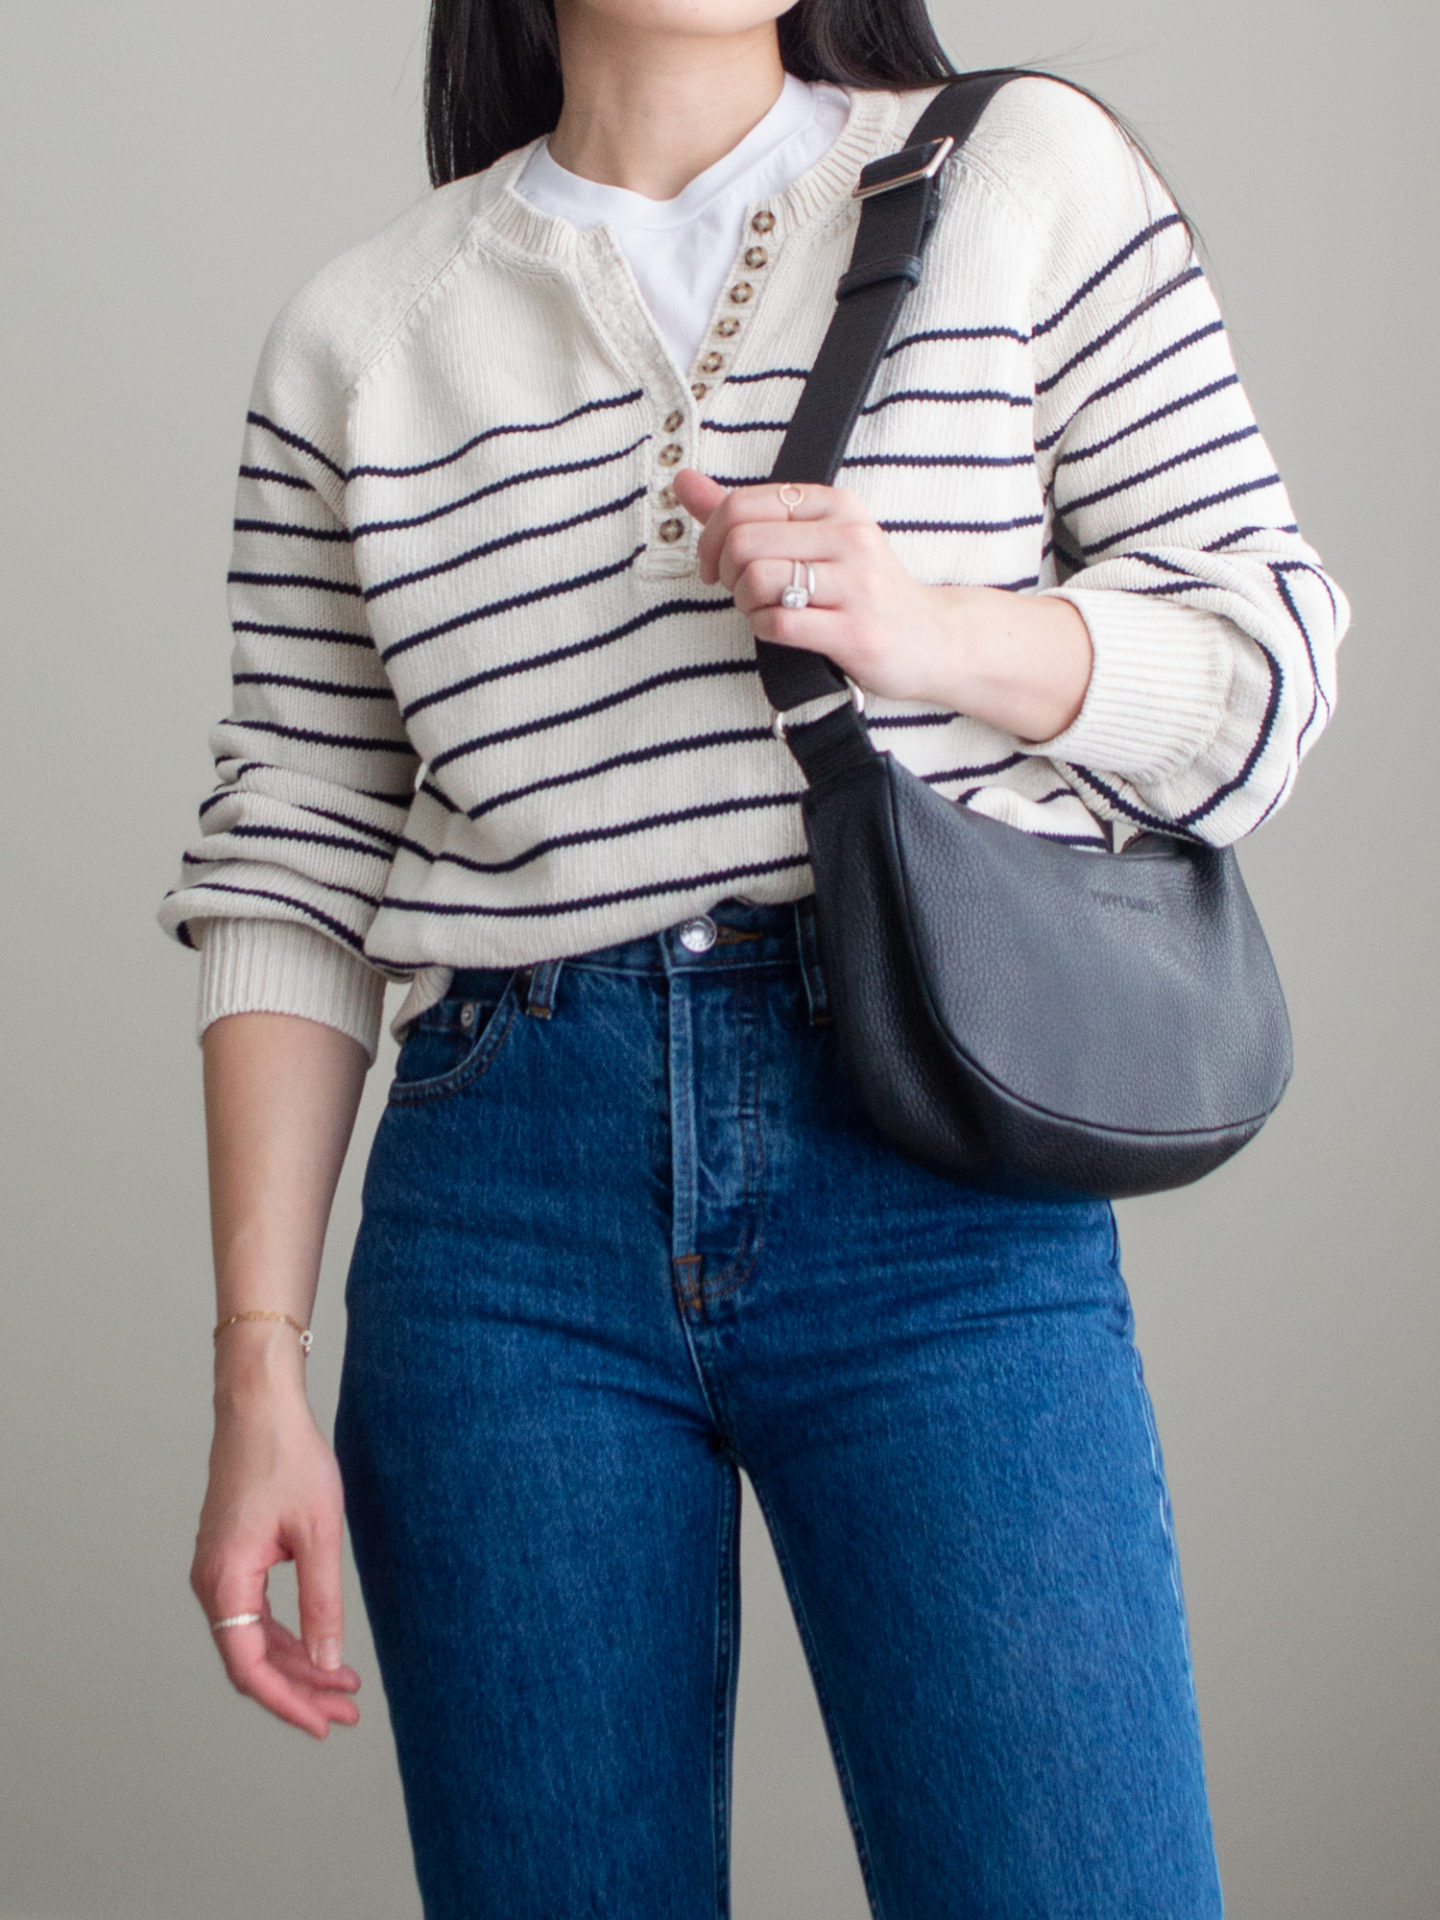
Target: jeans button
{"type": "Point", "coordinates": [698, 935]}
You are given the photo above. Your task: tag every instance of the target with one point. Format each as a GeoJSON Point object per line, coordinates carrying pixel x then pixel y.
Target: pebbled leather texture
{"type": "Point", "coordinates": [1016, 1013]}
{"type": "Point", "coordinates": [1036, 1017]}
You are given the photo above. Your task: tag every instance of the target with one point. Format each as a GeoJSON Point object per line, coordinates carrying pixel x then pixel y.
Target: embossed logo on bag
{"type": "Point", "coordinates": [1126, 900]}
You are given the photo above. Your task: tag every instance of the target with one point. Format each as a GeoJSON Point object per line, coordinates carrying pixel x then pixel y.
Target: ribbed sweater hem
{"type": "Point", "coordinates": [275, 966]}
{"type": "Point", "coordinates": [1158, 685]}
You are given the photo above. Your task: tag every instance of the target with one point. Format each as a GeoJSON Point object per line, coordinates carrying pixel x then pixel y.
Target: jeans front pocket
{"type": "Point", "coordinates": [451, 1044]}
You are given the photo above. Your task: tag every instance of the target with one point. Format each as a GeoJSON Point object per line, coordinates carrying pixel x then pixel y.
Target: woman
{"type": "Point", "coordinates": [503, 551]}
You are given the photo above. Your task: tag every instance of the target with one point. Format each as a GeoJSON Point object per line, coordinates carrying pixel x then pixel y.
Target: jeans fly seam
{"type": "Point", "coordinates": [822, 1695]}
{"type": "Point", "coordinates": [680, 1052]}
{"type": "Point", "coordinates": [732, 1277]}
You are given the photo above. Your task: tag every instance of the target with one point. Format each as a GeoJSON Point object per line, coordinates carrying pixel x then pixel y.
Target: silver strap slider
{"type": "Point", "coordinates": [903, 169]}
{"type": "Point", "coordinates": [810, 711]}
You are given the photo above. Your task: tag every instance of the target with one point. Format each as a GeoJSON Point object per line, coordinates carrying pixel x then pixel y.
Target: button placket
{"type": "Point", "coordinates": [669, 525]}
{"type": "Point", "coordinates": [741, 292]}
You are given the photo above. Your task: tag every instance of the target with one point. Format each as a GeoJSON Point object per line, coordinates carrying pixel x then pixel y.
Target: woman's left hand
{"type": "Point", "coordinates": [1019, 662]}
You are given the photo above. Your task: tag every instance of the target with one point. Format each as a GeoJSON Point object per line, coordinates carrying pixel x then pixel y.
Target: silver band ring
{"type": "Point", "coordinates": [801, 590]}
{"type": "Point", "coordinates": [237, 1620]}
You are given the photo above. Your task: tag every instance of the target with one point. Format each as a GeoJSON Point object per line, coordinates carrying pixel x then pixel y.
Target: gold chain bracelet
{"type": "Point", "coordinates": [306, 1337]}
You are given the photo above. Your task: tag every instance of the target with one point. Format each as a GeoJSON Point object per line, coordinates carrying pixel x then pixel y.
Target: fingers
{"type": "Point", "coordinates": [761, 583]}
{"type": "Point", "coordinates": [265, 1661]}
{"type": "Point", "coordinates": [226, 1588]}
{"type": "Point", "coordinates": [294, 1693]}
{"type": "Point", "coordinates": [322, 1607]}
{"type": "Point", "coordinates": [814, 629]}
{"type": "Point", "coordinates": [697, 492]}
{"type": "Point", "coordinates": [725, 514]}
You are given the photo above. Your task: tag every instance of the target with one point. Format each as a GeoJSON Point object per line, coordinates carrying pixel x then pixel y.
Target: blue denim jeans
{"type": "Point", "coordinates": [625, 1232]}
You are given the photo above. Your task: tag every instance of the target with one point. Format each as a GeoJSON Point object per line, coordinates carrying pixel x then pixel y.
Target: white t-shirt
{"type": "Point", "coordinates": [680, 250]}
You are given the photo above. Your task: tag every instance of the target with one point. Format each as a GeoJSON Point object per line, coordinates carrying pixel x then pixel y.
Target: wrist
{"type": "Point", "coordinates": [258, 1361]}
{"type": "Point", "coordinates": [1019, 662]}
{"type": "Point", "coordinates": [947, 658]}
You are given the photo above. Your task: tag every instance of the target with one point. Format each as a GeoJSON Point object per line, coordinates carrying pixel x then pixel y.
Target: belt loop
{"type": "Point", "coordinates": [809, 945]}
{"type": "Point", "coordinates": [543, 980]}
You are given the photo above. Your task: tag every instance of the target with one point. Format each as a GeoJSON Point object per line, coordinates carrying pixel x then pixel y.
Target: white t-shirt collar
{"type": "Point", "coordinates": [681, 249]}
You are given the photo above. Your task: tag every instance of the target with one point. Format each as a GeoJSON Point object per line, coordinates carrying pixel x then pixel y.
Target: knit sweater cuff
{"type": "Point", "coordinates": [1158, 686]}
{"type": "Point", "coordinates": [275, 966]}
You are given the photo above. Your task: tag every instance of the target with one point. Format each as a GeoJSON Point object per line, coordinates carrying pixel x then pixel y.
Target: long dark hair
{"type": "Point", "coordinates": [492, 77]}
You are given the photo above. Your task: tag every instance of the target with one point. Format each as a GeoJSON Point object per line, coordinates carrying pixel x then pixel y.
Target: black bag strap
{"type": "Point", "coordinates": [901, 198]}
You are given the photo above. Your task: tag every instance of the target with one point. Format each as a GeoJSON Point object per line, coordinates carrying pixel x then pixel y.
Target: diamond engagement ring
{"type": "Point", "coordinates": [801, 590]}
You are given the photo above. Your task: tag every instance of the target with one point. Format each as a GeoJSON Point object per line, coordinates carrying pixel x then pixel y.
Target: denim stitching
{"type": "Point", "coordinates": [479, 1060]}
{"type": "Point", "coordinates": [733, 1276]}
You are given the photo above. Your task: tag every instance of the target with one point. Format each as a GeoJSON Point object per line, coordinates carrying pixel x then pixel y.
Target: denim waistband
{"type": "Point", "coordinates": [746, 935]}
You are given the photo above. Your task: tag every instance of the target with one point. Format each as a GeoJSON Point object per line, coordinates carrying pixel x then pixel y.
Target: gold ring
{"type": "Point", "coordinates": [790, 498]}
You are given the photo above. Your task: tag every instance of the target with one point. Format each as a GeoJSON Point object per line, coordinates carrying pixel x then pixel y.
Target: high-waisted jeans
{"type": "Point", "coordinates": [625, 1232]}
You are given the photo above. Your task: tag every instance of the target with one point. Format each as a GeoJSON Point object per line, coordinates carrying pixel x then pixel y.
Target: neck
{"type": "Point", "coordinates": [648, 110]}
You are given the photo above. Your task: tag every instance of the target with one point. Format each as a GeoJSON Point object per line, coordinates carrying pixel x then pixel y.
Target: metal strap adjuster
{"type": "Point", "coordinates": [903, 169]}
{"type": "Point", "coordinates": [809, 711]}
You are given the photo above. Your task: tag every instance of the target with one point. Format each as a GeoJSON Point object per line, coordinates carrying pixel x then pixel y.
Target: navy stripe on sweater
{"type": "Point", "coordinates": [531, 663]}
{"type": "Point", "coordinates": [1111, 266]}
{"type": "Point", "coordinates": [546, 722]}
{"type": "Point", "coordinates": [1138, 479]}
{"type": "Point", "coordinates": [549, 590]}
{"type": "Point", "coordinates": [367, 528]}
{"type": "Point", "coordinates": [548, 909]}
{"type": "Point", "coordinates": [1184, 512]}
{"type": "Point", "coordinates": [590, 836]}
{"type": "Point", "coordinates": [334, 636]}
{"type": "Point", "coordinates": [494, 433]}
{"type": "Point", "coordinates": [719, 740]}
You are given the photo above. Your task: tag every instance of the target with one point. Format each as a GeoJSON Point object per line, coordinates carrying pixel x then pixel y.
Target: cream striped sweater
{"type": "Point", "coordinates": [484, 711]}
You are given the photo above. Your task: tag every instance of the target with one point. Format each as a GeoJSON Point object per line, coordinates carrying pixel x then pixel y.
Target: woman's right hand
{"type": "Point", "coordinates": [274, 1494]}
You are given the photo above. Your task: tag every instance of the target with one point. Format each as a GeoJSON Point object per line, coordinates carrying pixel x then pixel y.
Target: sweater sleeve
{"type": "Point", "coordinates": [315, 772]}
{"type": "Point", "coordinates": [1214, 625]}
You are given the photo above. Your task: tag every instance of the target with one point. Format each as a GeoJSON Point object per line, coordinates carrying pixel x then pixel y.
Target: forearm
{"type": "Point", "coordinates": [281, 1095]}
{"type": "Point", "coordinates": [1019, 663]}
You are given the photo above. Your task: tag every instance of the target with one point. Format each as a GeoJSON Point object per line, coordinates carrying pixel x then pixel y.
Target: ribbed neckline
{"type": "Point", "coordinates": [501, 213]}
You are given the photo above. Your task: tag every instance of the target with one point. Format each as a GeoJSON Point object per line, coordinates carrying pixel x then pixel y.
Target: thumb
{"type": "Point", "coordinates": [322, 1605]}
{"type": "Point", "coordinates": [698, 493]}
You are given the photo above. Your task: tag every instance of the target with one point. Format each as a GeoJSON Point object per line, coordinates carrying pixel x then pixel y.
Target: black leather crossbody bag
{"type": "Point", "coordinates": [1016, 1013]}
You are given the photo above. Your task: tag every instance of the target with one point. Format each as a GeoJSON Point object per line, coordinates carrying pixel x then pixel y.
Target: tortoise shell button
{"type": "Point", "coordinates": [728, 327]}
{"type": "Point", "coordinates": [712, 363]}
{"type": "Point", "coordinates": [666, 497]}
{"type": "Point", "coordinates": [674, 421]}
{"type": "Point", "coordinates": [671, 531]}
{"type": "Point", "coordinates": [764, 221]}
{"type": "Point", "coordinates": [741, 292]}
{"type": "Point", "coordinates": [671, 455]}
{"type": "Point", "coordinates": [699, 389]}
{"type": "Point", "coordinates": [756, 256]}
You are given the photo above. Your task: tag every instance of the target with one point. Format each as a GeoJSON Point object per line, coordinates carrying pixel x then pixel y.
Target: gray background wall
{"type": "Point", "coordinates": [171, 172]}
